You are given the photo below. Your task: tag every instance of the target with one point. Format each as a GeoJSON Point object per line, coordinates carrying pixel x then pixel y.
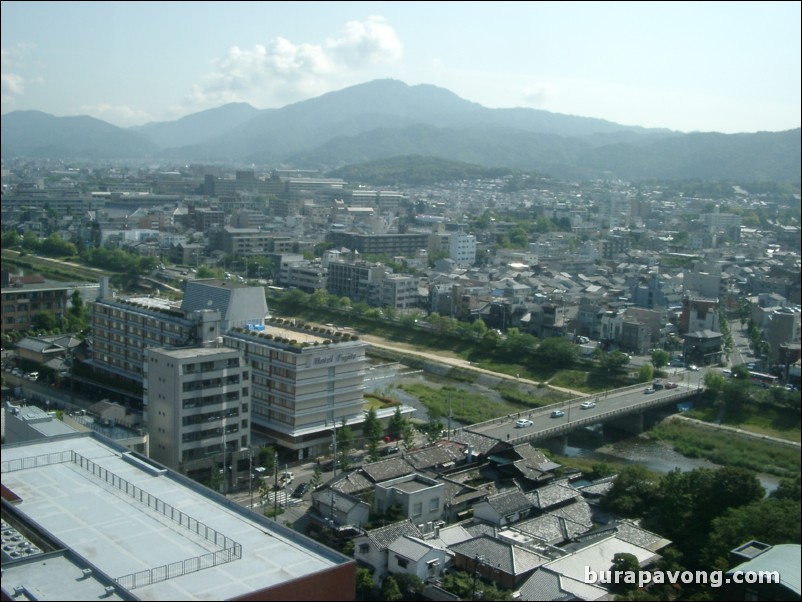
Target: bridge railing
{"type": "Point", "coordinates": [548, 409]}
{"type": "Point", "coordinates": [586, 420]}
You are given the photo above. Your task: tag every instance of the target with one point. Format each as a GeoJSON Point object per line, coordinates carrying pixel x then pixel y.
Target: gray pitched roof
{"type": "Point", "coordinates": [551, 528]}
{"type": "Point", "coordinates": [578, 512]}
{"type": "Point", "coordinates": [384, 536]}
{"type": "Point", "coordinates": [481, 444]}
{"type": "Point", "coordinates": [546, 584]}
{"type": "Point", "coordinates": [434, 456]}
{"type": "Point", "coordinates": [411, 547]}
{"type": "Point", "coordinates": [387, 469]}
{"type": "Point", "coordinates": [501, 555]}
{"type": "Point", "coordinates": [552, 495]}
{"type": "Point", "coordinates": [509, 501]}
{"type": "Point", "coordinates": [352, 482]}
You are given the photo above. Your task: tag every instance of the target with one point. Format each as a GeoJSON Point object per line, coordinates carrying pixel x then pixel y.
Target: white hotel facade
{"type": "Point", "coordinates": [303, 383]}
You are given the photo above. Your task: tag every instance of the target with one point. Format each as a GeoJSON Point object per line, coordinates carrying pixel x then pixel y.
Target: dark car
{"type": "Point", "coordinates": [301, 490]}
{"type": "Point", "coordinates": [386, 451]}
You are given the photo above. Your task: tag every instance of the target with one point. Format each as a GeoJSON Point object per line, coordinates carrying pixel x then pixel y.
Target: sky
{"type": "Point", "coordinates": [687, 66]}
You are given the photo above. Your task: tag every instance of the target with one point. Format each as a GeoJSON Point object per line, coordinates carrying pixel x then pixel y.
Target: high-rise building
{"type": "Point", "coordinates": [303, 383]}
{"type": "Point", "coordinates": [197, 403]}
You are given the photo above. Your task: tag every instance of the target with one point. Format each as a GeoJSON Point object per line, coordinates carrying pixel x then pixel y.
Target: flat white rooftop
{"type": "Point", "coordinates": [96, 516]}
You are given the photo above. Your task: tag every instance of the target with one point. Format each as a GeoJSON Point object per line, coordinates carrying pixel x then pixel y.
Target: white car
{"type": "Point", "coordinates": [693, 368]}
{"type": "Point", "coordinates": [586, 405]}
{"type": "Point", "coordinates": [557, 414]}
{"type": "Point", "coordinates": [523, 423]}
{"type": "Point", "coordinates": [648, 390]}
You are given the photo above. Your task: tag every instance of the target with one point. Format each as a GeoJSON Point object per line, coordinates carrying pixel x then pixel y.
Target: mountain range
{"type": "Point", "coordinates": [388, 118]}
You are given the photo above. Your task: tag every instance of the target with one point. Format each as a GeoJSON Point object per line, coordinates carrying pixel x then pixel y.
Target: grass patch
{"type": "Point", "coordinates": [723, 448]}
{"type": "Point", "coordinates": [760, 418]}
{"type": "Point", "coordinates": [465, 406]}
{"type": "Point", "coordinates": [515, 395]}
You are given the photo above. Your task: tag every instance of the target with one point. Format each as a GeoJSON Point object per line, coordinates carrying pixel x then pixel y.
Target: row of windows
{"type": "Point", "coordinates": [211, 416]}
{"type": "Point", "coordinates": [206, 434]}
{"type": "Point", "coordinates": [199, 402]}
{"type": "Point", "coordinates": [197, 385]}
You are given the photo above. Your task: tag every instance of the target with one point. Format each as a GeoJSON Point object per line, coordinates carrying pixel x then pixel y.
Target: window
{"type": "Point", "coordinates": [402, 562]}
{"type": "Point", "coordinates": [364, 548]}
{"type": "Point", "coordinates": [434, 504]}
{"type": "Point", "coordinates": [417, 509]}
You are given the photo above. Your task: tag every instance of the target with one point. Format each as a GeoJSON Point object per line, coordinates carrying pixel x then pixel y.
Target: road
{"type": "Point", "coordinates": [610, 403]}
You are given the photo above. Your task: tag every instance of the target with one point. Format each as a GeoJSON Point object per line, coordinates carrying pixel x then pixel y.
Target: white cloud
{"type": "Point", "coordinates": [282, 71]}
{"type": "Point", "coordinates": [12, 84]}
{"type": "Point", "coordinates": [119, 115]}
{"type": "Point", "coordinates": [540, 94]}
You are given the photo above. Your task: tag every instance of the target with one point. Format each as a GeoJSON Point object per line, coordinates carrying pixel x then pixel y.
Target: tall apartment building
{"type": "Point", "coordinates": [462, 249]}
{"type": "Point", "coordinates": [122, 329]}
{"type": "Point", "coordinates": [303, 383]}
{"type": "Point", "coordinates": [357, 280]}
{"type": "Point", "coordinates": [25, 297]}
{"type": "Point", "coordinates": [399, 291]}
{"type": "Point", "coordinates": [197, 403]}
{"type": "Point", "coordinates": [382, 244]}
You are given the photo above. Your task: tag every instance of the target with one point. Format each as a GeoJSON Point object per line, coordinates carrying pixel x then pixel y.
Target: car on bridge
{"type": "Point", "coordinates": [557, 414]}
{"type": "Point", "coordinates": [671, 385]}
{"type": "Point", "coordinates": [523, 423]}
{"type": "Point", "coordinates": [648, 390]}
{"type": "Point", "coordinates": [586, 405]}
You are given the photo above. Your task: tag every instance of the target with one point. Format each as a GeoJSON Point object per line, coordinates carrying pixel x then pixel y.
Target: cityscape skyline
{"type": "Point", "coordinates": [683, 66]}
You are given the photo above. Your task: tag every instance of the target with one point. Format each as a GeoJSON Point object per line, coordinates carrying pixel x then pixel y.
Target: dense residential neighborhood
{"type": "Point", "coordinates": [189, 338]}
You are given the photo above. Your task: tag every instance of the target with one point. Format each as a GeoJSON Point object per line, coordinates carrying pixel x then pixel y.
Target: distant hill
{"type": "Point", "coordinates": [197, 128]}
{"type": "Point", "coordinates": [37, 134]}
{"type": "Point", "coordinates": [415, 170]}
{"type": "Point", "coordinates": [387, 118]}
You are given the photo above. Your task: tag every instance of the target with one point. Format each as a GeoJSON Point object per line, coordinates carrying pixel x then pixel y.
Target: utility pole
{"type": "Point", "coordinates": [334, 439]}
{"type": "Point", "coordinates": [275, 488]}
{"type": "Point", "coordinates": [250, 474]}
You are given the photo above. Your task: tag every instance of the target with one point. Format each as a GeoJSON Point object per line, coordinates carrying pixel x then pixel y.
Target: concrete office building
{"type": "Point", "coordinates": [122, 329]}
{"type": "Point", "coordinates": [462, 249]}
{"type": "Point", "coordinates": [197, 403]}
{"type": "Point", "coordinates": [303, 383]}
{"type": "Point", "coordinates": [95, 521]}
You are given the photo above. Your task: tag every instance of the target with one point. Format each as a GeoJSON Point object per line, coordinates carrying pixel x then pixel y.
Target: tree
{"type": "Point", "coordinates": [771, 521]}
{"type": "Point", "coordinates": [317, 477]}
{"type": "Point", "coordinates": [558, 352]}
{"type": "Point", "coordinates": [372, 430]}
{"type": "Point", "coordinates": [396, 425]}
{"type": "Point", "coordinates": [788, 489]}
{"type": "Point", "coordinates": [645, 373]}
{"type": "Point", "coordinates": [364, 584]}
{"type": "Point", "coordinates": [714, 381]}
{"type": "Point", "coordinates": [266, 458]}
{"type": "Point", "coordinates": [659, 358]}
{"type": "Point", "coordinates": [411, 586]}
{"type": "Point", "coordinates": [345, 441]}
{"type": "Point", "coordinates": [391, 590]}
{"type": "Point", "coordinates": [408, 435]}
{"type": "Point", "coordinates": [612, 362]}
{"type": "Point", "coordinates": [633, 492]}
{"type": "Point", "coordinates": [628, 565]}
{"type": "Point", "coordinates": [43, 321]}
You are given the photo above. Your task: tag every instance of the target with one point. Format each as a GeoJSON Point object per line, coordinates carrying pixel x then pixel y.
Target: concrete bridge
{"type": "Point", "coordinates": [624, 408]}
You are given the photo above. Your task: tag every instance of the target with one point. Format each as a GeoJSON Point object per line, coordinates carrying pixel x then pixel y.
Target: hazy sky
{"type": "Point", "coordinates": [717, 66]}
